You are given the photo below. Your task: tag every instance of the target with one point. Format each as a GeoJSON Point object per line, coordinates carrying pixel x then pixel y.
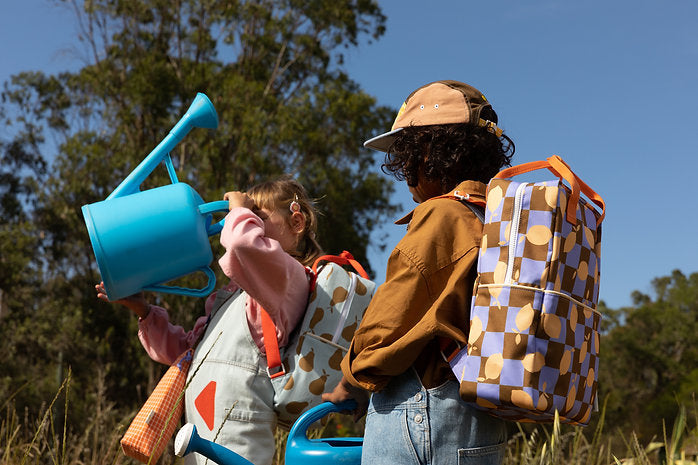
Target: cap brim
{"type": "Point", "coordinates": [383, 142]}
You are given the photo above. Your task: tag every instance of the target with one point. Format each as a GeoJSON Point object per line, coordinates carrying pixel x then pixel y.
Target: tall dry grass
{"type": "Point", "coordinates": [48, 440]}
{"type": "Point", "coordinates": [549, 445]}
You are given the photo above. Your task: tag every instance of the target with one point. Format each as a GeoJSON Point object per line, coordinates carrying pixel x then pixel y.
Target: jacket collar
{"type": "Point", "coordinates": [475, 189]}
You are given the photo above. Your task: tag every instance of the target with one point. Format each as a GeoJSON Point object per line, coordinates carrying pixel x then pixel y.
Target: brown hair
{"type": "Point", "coordinates": [278, 195]}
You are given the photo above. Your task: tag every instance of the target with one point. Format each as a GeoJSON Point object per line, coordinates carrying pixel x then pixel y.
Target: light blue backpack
{"type": "Point", "coordinates": [310, 364]}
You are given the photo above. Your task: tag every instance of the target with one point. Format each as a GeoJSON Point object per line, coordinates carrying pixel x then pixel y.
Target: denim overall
{"type": "Point", "coordinates": [408, 424]}
{"type": "Point", "coordinates": [230, 396]}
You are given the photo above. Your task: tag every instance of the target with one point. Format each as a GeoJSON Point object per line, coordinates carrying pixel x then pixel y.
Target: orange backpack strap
{"type": "Point", "coordinates": [345, 258]}
{"type": "Point", "coordinates": [271, 345]}
{"type": "Point", "coordinates": [562, 170]}
{"type": "Point", "coordinates": [448, 348]}
{"type": "Point", "coordinates": [457, 195]}
{"type": "Point", "coordinates": [476, 204]}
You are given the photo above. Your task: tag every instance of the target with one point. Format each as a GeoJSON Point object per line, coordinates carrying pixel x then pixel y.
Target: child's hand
{"type": "Point", "coordinates": [238, 199]}
{"type": "Point", "coordinates": [136, 303]}
{"type": "Point", "coordinates": [345, 391]}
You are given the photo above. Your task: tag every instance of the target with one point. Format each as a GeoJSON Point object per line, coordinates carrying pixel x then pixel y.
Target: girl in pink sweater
{"type": "Point", "coordinates": [269, 238]}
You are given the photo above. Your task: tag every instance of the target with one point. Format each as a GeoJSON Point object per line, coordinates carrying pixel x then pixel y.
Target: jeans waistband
{"type": "Point", "coordinates": [406, 391]}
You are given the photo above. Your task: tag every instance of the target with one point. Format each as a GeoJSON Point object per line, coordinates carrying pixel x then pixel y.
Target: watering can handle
{"type": "Point", "coordinates": [217, 206]}
{"type": "Point", "coordinates": [299, 429]}
{"type": "Point", "coordinates": [211, 229]}
{"type": "Point", "coordinates": [186, 290]}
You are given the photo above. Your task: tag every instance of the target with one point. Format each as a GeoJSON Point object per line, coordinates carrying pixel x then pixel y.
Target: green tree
{"type": "Point", "coordinates": [650, 357]}
{"type": "Point", "coordinates": [273, 70]}
{"type": "Point", "coordinates": [22, 170]}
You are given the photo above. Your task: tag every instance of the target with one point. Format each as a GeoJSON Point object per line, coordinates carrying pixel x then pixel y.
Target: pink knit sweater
{"type": "Point", "coordinates": [271, 277]}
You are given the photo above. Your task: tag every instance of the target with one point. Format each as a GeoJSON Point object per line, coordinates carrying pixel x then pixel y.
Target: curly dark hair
{"type": "Point", "coordinates": [449, 153]}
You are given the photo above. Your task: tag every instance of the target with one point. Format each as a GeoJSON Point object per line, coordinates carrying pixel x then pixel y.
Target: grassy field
{"type": "Point", "coordinates": [43, 441]}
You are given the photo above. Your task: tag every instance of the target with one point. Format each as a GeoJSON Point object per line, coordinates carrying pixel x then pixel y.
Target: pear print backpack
{"type": "Point", "coordinates": [533, 342]}
{"type": "Point", "coordinates": [310, 364]}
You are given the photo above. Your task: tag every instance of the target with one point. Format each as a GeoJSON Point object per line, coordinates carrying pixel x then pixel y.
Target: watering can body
{"type": "Point", "coordinates": [148, 238]}
{"type": "Point", "coordinates": [143, 239]}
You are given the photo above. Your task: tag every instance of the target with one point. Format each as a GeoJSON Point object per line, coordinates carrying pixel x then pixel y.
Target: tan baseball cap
{"type": "Point", "coordinates": [440, 102]}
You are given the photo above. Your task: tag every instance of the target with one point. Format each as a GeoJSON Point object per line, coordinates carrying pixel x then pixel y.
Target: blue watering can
{"type": "Point", "coordinates": [299, 449]}
{"type": "Point", "coordinates": [143, 239]}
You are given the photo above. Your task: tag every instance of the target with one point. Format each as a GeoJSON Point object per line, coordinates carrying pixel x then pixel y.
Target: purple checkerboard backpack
{"type": "Point", "coordinates": [533, 343]}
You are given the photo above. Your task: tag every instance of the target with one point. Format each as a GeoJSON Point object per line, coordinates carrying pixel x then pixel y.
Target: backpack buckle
{"type": "Point", "coordinates": [460, 196]}
{"type": "Point", "coordinates": [280, 371]}
{"type": "Point", "coordinates": [454, 352]}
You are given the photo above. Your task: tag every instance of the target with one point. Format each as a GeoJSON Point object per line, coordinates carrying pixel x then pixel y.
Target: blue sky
{"type": "Point", "coordinates": [610, 86]}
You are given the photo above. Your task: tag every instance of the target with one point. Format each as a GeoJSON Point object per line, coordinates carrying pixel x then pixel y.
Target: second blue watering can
{"type": "Point", "coordinates": [300, 450]}
{"type": "Point", "coordinates": [143, 239]}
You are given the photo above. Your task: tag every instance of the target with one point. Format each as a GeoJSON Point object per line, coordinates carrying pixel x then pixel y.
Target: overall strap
{"type": "Point", "coordinates": [222, 296]}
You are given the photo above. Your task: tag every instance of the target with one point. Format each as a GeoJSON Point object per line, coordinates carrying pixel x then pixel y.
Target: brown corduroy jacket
{"type": "Point", "coordinates": [426, 296]}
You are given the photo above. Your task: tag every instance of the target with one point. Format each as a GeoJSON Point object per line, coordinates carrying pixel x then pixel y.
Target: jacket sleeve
{"type": "Point", "coordinates": [426, 297]}
{"type": "Point", "coordinates": [382, 344]}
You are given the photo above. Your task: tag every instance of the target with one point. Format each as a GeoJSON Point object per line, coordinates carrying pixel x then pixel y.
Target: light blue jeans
{"type": "Point", "coordinates": [408, 424]}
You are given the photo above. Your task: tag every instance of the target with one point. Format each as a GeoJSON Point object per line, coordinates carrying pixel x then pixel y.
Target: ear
{"type": "Point", "coordinates": [297, 222]}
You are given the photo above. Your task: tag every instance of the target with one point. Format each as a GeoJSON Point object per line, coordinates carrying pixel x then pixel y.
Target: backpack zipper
{"type": "Point", "coordinates": [346, 306]}
{"type": "Point", "coordinates": [513, 233]}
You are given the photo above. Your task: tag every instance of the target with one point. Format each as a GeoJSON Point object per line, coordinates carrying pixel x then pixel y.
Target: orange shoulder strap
{"type": "Point", "coordinates": [271, 346]}
{"type": "Point", "coordinates": [457, 195]}
{"type": "Point", "coordinates": [345, 258]}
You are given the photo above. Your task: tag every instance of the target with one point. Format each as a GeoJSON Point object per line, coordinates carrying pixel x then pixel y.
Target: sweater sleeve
{"type": "Point", "coordinates": [270, 276]}
{"type": "Point", "coordinates": [162, 340]}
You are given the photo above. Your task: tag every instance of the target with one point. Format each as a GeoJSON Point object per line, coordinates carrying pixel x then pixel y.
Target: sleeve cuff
{"type": "Point", "coordinates": [366, 384]}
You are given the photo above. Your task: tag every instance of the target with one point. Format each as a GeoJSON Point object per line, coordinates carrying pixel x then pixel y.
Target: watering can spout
{"type": "Point", "coordinates": [201, 114]}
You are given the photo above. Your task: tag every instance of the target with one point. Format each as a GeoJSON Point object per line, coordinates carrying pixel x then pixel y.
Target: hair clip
{"type": "Point", "coordinates": [295, 206]}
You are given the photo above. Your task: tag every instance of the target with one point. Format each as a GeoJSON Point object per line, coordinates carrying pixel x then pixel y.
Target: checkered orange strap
{"type": "Point", "coordinates": [151, 429]}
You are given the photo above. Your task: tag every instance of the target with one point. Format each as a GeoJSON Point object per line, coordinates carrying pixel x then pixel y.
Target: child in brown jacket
{"type": "Point", "coordinates": [445, 138]}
